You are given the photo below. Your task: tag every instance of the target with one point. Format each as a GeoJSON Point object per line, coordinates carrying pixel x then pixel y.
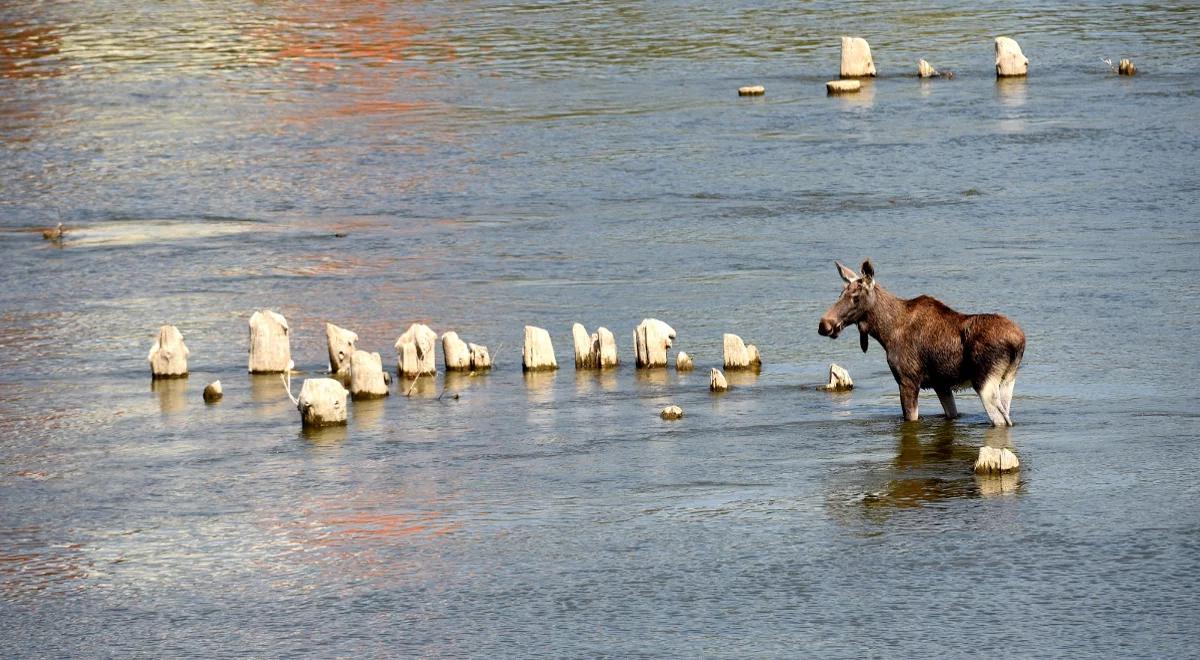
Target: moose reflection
{"type": "Point", "coordinates": [930, 346]}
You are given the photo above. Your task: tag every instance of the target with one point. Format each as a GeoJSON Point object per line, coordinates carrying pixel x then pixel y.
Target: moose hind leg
{"type": "Point", "coordinates": [990, 394]}
{"type": "Point", "coordinates": [946, 396]}
{"type": "Point", "coordinates": [1006, 394]}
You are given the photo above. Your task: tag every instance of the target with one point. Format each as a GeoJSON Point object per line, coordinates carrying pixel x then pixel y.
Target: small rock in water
{"type": "Point", "coordinates": [842, 87]}
{"type": "Point", "coordinates": [671, 412]}
{"type": "Point", "coordinates": [683, 362]}
{"type": "Point", "coordinates": [55, 234]}
{"type": "Point", "coordinates": [925, 69]}
{"type": "Point", "coordinates": [213, 392]}
{"type": "Point", "coordinates": [752, 90]}
{"type": "Point", "coordinates": [716, 381]}
{"type": "Point", "coordinates": [1126, 68]}
{"type": "Point", "coordinates": [993, 460]}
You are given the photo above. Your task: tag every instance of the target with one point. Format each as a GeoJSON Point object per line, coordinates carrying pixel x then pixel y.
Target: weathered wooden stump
{"type": "Point", "coordinates": [322, 402]}
{"type": "Point", "coordinates": [752, 90]}
{"type": "Point", "coordinates": [839, 380]}
{"type": "Point", "coordinates": [456, 356]}
{"type": "Point", "coordinates": [213, 392]}
{"type": "Point", "coordinates": [842, 87]}
{"type": "Point", "coordinates": [683, 362]}
{"type": "Point", "coordinates": [340, 342]}
{"type": "Point", "coordinates": [270, 350]}
{"type": "Point", "coordinates": [366, 376]}
{"type": "Point", "coordinates": [538, 351]}
{"type": "Point", "coordinates": [651, 340]}
{"type": "Point", "coordinates": [716, 381]}
{"type": "Point", "coordinates": [738, 355]}
{"type": "Point", "coordinates": [1010, 61]}
{"type": "Point", "coordinates": [416, 350]}
{"type": "Point", "coordinates": [595, 351]}
{"type": "Point", "coordinates": [996, 460]}
{"type": "Point", "coordinates": [480, 359]}
{"type": "Point", "coordinates": [926, 70]}
{"type": "Point", "coordinates": [1126, 68]}
{"type": "Point", "coordinates": [671, 413]}
{"type": "Point", "coordinates": [168, 356]}
{"type": "Point", "coordinates": [856, 58]}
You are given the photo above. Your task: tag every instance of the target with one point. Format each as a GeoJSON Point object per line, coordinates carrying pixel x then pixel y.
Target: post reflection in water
{"type": "Point", "coordinates": [171, 392]}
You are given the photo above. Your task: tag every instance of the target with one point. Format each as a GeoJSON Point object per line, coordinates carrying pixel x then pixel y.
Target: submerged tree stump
{"type": "Point", "coordinates": [538, 351]}
{"type": "Point", "coordinates": [834, 87]}
{"type": "Point", "coordinates": [1126, 68]}
{"type": "Point", "coordinates": [416, 350]}
{"type": "Point", "coordinates": [340, 342]}
{"type": "Point", "coordinates": [683, 362]}
{"type": "Point", "coordinates": [366, 376]}
{"type": "Point", "coordinates": [856, 58]}
{"type": "Point", "coordinates": [168, 356]}
{"type": "Point", "coordinates": [322, 402]}
{"type": "Point", "coordinates": [480, 359]}
{"type": "Point", "coordinates": [738, 355]}
{"type": "Point", "coordinates": [270, 350]}
{"type": "Point", "coordinates": [1010, 61]}
{"type": "Point", "coordinates": [456, 356]}
{"type": "Point", "coordinates": [651, 340]}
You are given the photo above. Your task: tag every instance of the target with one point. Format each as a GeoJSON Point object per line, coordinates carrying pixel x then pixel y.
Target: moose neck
{"type": "Point", "coordinates": [884, 317]}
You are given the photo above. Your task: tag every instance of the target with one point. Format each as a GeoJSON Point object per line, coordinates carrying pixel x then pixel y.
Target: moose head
{"type": "Point", "coordinates": [857, 299]}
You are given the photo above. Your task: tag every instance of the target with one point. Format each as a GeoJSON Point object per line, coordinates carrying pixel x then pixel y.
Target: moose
{"type": "Point", "coordinates": [930, 346]}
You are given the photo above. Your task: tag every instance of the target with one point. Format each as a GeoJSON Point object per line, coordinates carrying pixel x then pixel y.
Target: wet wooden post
{"type": "Point", "coordinates": [366, 376]}
{"type": "Point", "coordinates": [839, 380]}
{"type": "Point", "coordinates": [996, 460]}
{"type": "Point", "coordinates": [856, 58]}
{"type": "Point", "coordinates": [341, 343]}
{"type": "Point", "coordinates": [538, 351]}
{"type": "Point", "coordinates": [168, 356]}
{"type": "Point", "coordinates": [738, 355]}
{"type": "Point", "coordinates": [416, 350]}
{"type": "Point", "coordinates": [595, 351]}
{"type": "Point", "coordinates": [322, 402]}
{"type": "Point", "coordinates": [1010, 61]}
{"type": "Point", "coordinates": [716, 381]}
{"type": "Point", "coordinates": [270, 350]}
{"type": "Point", "coordinates": [651, 340]}
{"type": "Point", "coordinates": [683, 362]}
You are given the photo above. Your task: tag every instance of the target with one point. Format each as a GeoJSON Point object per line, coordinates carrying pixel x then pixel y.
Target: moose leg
{"type": "Point", "coordinates": [989, 394]}
{"type": "Point", "coordinates": [946, 396]}
{"type": "Point", "coordinates": [1006, 394]}
{"type": "Point", "coordinates": [908, 400]}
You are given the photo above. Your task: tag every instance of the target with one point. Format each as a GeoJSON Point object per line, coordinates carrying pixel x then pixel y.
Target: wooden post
{"type": "Point", "coordinates": [1010, 61]}
{"type": "Point", "coordinates": [366, 376]}
{"type": "Point", "coordinates": [168, 356]}
{"type": "Point", "coordinates": [416, 350]}
{"type": "Point", "coordinates": [856, 58]}
{"type": "Point", "coordinates": [341, 346]}
{"type": "Point", "coordinates": [270, 351]}
{"type": "Point", "coordinates": [651, 340]}
{"type": "Point", "coordinates": [538, 352]}
{"type": "Point", "coordinates": [322, 402]}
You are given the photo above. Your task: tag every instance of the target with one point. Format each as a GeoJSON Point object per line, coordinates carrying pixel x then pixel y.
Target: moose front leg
{"type": "Point", "coordinates": [946, 396]}
{"type": "Point", "coordinates": [908, 400]}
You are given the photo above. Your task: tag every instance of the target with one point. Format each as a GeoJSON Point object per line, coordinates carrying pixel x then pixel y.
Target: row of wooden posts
{"type": "Point", "coordinates": [856, 62]}
{"type": "Point", "coordinates": [322, 400]}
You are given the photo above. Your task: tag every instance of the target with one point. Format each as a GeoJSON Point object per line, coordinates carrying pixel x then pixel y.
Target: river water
{"type": "Point", "coordinates": [482, 166]}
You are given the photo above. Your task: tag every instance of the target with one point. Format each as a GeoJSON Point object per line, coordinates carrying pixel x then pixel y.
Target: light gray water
{"type": "Point", "coordinates": [493, 165]}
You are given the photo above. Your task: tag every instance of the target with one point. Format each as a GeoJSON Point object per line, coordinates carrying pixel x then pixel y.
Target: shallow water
{"type": "Point", "coordinates": [483, 166]}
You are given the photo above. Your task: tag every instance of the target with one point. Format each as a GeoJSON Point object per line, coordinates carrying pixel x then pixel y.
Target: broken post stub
{"type": "Point", "coordinates": [1010, 61]}
{"type": "Point", "coordinates": [168, 356]}
{"type": "Point", "coordinates": [716, 381]}
{"type": "Point", "coordinates": [856, 58]}
{"type": "Point", "coordinates": [839, 380]}
{"type": "Point", "coordinates": [671, 413]}
{"type": "Point", "coordinates": [340, 343]}
{"type": "Point", "coordinates": [416, 351]}
{"type": "Point", "coordinates": [1126, 68]}
{"type": "Point", "coordinates": [538, 351]}
{"type": "Point", "coordinates": [834, 87]}
{"type": "Point", "coordinates": [595, 351]}
{"type": "Point", "coordinates": [683, 362]}
{"type": "Point", "coordinates": [322, 402]}
{"type": "Point", "coordinates": [740, 356]}
{"type": "Point", "coordinates": [651, 340]}
{"type": "Point", "coordinates": [270, 351]}
{"type": "Point", "coordinates": [366, 376]}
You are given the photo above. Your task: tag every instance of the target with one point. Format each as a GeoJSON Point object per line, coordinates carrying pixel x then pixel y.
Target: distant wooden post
{"type": "Point", "coordinates": [270, 351]}
{"type": "Point", "coordinates": [168, 356]}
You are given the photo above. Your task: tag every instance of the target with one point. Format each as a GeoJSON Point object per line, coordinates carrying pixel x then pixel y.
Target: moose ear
{"type": "Point", "coordinates": [847, 275]}
{"type": "Point", "coordinates": [868, 269]}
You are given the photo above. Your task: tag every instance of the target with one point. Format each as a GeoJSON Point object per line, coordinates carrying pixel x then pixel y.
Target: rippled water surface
{"type": "Point", "coordinates": [483, 166]}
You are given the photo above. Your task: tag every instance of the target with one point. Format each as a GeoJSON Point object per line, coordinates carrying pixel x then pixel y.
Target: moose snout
{"type": "Point", "coordinates": [828, 328]}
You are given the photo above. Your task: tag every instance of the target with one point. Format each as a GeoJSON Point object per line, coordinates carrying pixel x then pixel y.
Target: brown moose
{"type": "Point", "coordinates": [930, 346]}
